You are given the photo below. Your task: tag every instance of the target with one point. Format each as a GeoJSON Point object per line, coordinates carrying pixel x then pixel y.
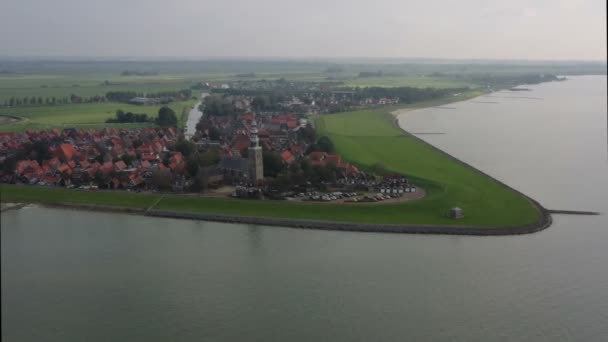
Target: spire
{"type": "Point", "coordinates": [254, 134]}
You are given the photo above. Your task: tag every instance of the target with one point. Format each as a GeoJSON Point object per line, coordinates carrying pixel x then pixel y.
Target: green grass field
{"type": "Point", "coordinates": [367, 138]}
{"type": "Point", "coordinates": [364, 138]}
{"type": "Point", "coordinates": [49, 85]}
{"type": "Point", "coordinates": [81, 115]}
{"type": "Point", "coordinates": [59, 195]}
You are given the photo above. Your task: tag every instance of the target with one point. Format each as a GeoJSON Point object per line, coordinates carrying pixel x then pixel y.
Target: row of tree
{"type": "Point", "coordinates": [405, 94]}
{"type": "Point", "coordinates": [166, 117]}
{"type": "Point", "coordinates": [219, 105]}
{"type": "Point", "coordinates": [128, 117]}
{"type": "Point", "coordinates": [50, 101]}
{"type": "Point", "coordinates": [126, 96]}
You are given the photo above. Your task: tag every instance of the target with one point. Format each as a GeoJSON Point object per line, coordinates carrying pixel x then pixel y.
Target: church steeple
{"type": "Point", "coordinates": [254, 134]}
{"type": "Point", "coordinates": [254, 154]}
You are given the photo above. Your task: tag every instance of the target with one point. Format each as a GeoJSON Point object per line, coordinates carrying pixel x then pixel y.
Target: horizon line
{"type": "Point", "coordinates": [279, 58]}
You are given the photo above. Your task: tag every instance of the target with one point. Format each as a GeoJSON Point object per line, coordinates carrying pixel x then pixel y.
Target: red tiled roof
{"type": "Point", "coordinates": [149, 157]}
{"type": "Point", "coordinates": [177, 157]}
{"type": "Point", "coordinates": [120, 165]}
{"type": "Point", "coordinates": [333, 158]}
{"type": "Point", "coordinates": [317, 155]}
{"type": "Point", "coordinates": [107, 167]}
{"type": "Point", "coordinates": [241, 143]}
{"type": "Point", "coordinates": [247, 117]}
{"type": "Point", "coordinates": [67, 151]}
{"type": "Point", "coordinates": [287, 157]}
{"type": "Point", "coordinates": [63, 168]}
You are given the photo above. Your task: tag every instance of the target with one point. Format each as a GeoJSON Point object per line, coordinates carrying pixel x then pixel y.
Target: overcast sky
{"type": "Point", "coordinates": [513, 29]}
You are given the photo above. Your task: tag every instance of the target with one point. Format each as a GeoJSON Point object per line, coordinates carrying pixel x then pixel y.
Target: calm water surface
{"type": "Point", "coordinates": [81, 276]}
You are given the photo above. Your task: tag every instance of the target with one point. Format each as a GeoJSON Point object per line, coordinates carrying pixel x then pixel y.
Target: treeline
{"type": "Point", "coordinates": [128, 117]}
{"type": "Point", "coordinates": [405, 94]}
{"type": "Point", "coordinates": [364, 74]}
{"type": "Point", "coordinates": [218, 105]}
{"type": "Point", "coordinates": [166, 117]}
{"type": "Point", "coordinates": [267, 100]}
{"type": "Point", "coordinates": [49, 101]}
{"type": "Point", "coordinates": [498, 81]}
{"type": "Point", "coordinates": [138, 73]}
{"type": "Point", "coordinates": [507, 81]}
{"type": "Point", "coordinates": [126, 96]}
{"type": "Point", "coordinates": [246, 75]}
{"type": "Point", "coordinates": [270, 100]}
{"type": "Point", "coordinates": [121, 96]}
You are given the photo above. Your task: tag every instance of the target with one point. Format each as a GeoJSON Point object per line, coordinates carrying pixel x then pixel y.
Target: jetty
{"type": "Point", "coordinates": [572, 212]}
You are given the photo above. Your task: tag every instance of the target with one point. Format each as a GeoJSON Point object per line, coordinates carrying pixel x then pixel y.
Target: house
{"type": "Point", "coordinates": [66, 152]}
{"type": "Point", "coordinates": [120, 166]}
{"type": "Point", "coordinates": [287, 157]}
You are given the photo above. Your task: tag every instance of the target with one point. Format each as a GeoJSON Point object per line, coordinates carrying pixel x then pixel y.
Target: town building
{"type": "Point", "coordinates": [254, 154]}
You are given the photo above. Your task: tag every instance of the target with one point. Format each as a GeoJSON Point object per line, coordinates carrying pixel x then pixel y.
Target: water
{"type": "Point", "coordinates": [193, 117]}
{"type": "Point", "coordinates": [76, 276]}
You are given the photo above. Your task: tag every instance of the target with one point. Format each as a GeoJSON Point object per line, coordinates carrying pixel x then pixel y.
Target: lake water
{"type": "Point", "coordinates": [83, 276]}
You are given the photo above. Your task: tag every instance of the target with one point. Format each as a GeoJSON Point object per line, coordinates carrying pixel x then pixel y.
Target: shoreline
{"type": "Point", "coordinates": [543, 222]}
{"type": "Point", "coordinates": [312, 224]}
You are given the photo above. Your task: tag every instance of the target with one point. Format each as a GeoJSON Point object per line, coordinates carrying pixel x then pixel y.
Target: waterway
{"type": "Point", "coordinates": [194, 116]}
{"type": "Point", "coordinates": [88, 276]}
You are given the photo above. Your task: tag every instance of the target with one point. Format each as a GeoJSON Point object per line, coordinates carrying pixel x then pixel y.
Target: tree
{"type": "Point", "coordinates": [186, 147]}
{"type": "Point", "coordinates": [308, 133]}
{"type": "Point", "coordinates": [128, 159]}
{"type": "Point", "coordinates": [193, 164]}
{"type": "Point", "coordinates": [260, 102]}
{"type": "Point", "coordinates": [101, 178]}
{"type": "Point", "coordinates": [273, 164]}
{"type": "Point", "coordinates": [40, 151]}
{"type": "Point", "coordinates": [166, 117]}
{"type": "Point", "coordinates": [210, 157]}
{"type": "Point", "coordinates": [379, 169]}
{"type": "Point", "coordinates": [214, 133]}
{"type": "Point", "coordinates": [122, 117]}
{"type": "Point", "coordinates": [216, 105]}
{"type": "Point", "coordinates": [162, 179]}
{"type": "Point", "coordinates": [325, 144]}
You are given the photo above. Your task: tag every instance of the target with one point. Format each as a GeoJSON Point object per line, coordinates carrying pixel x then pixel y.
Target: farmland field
{"type": "Point", "coordinates": [91, 115]}
{"type": "Point", "coordinates": [49, 85]}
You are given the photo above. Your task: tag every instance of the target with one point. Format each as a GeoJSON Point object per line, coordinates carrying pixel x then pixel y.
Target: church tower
{"type": "Point", "coordinates": [254, 154]}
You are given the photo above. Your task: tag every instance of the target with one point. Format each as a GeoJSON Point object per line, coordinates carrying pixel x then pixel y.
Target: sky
{"type": "Point", "coordinates": [451, 29]}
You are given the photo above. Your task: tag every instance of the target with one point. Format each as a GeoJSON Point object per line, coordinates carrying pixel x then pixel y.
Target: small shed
{"type": "Point", "coordinates": [455, 213]}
